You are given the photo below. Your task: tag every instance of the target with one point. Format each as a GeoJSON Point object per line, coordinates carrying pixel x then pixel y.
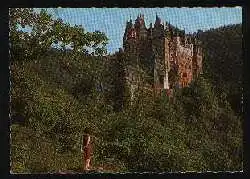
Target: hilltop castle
{"type": "Point", "coordinates": [169, 57]}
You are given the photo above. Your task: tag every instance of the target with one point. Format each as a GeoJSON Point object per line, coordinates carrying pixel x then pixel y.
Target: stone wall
{"type": "Point", "coordinates": [185, 57]}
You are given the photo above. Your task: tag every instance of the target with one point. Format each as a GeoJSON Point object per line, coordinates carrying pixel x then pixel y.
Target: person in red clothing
{"type": "Point", "coordinates": [87, 149]}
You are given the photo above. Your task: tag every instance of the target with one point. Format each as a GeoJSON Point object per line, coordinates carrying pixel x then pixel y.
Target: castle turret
{"type": "Point", "coordinates": [128, 27]}
{"type": "Point", "coordinates": [129, 44]}
{"type": "Point", "coordinates": [139, 22]}
{"type": "Point", "coordinates": [158, 31]}
{"type": "Point", "coordinates": [157, 21]}
{"type": "Point", "coordinates": [141, 27]}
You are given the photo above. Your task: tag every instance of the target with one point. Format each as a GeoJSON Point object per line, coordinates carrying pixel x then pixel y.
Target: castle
{"type": "Point", "coordinates": [169, 57]}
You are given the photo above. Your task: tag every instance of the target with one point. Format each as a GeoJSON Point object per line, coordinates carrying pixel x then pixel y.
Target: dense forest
{"type": "Point", "coordinates": [62, 82]}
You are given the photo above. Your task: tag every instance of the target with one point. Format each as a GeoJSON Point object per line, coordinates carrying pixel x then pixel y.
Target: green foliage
{"type": "Point", "coordinates": [223, 65]}
{"type": "Point", "coordinates": [45, 32]}
{"type": "Point", "coordinates": [60, 92]}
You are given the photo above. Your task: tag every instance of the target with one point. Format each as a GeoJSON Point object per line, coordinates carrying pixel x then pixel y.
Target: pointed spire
{"type": "Point", "coordinates": [129, 23]}
{"type": "Point", "coordinates": [137, 20]}
{"type": "Point", "coordinates": [157, 17]}
{"type": "Point", "coordinates": [157, 20]}
{"type": "Point", "coordinates": [128, 29]}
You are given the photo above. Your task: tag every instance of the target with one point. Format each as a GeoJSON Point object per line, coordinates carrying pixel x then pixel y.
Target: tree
{"type": "Point", "coordinates": [223, 66]}
{"type": "Point", "coordinates": [45, 32]}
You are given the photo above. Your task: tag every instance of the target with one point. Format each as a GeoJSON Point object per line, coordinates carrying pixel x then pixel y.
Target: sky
{"type": "Point", "coordinates": [112, 21]}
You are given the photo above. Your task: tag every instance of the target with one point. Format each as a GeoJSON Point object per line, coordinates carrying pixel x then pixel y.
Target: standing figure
{"type": "Point", "coordinates": [87, 149]}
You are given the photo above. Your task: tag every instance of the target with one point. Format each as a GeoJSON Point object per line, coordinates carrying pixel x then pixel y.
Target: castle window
{"type": "Point", "coordinates": [184, 74]}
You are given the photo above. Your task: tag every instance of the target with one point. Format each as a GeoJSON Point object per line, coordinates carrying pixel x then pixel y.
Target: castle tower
{"type": "Point", "coordinates": [158, 28]}
{"type": "Point", "coordinates": [130, 40]}
{"type": "Point", "coordinates": [141, 27]}
{"type": "Point", "coordinates": [128, 28]}
{"type": "Point", "coordinates": [161, 50]}
{"type": "Point", "coordinates": [157, 48]}
{"type": "Point", "coordinates": [142, 38]}
{"type": "Point", "coordinates": [197, 58]}
{"type": "Point", "coordinates": [157, 21]}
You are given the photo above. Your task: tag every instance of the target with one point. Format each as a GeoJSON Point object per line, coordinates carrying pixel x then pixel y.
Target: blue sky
{"type": "Point", "coordinates": [112, 21]}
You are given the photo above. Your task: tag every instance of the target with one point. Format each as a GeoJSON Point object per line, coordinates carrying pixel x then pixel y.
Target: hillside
{"type": "Point", "coordinates": [223, 61]}
{"type": "Point", "coordinates": [57, 94]}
